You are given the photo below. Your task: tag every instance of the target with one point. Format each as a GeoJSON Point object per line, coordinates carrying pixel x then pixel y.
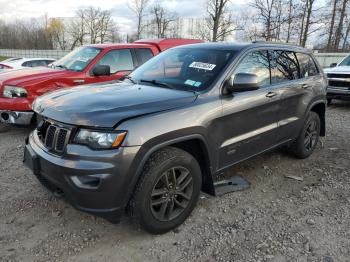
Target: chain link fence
{"type": "Point", "coordinates": [56, 54]}
{"type": "Point", "coordinates": [325, 59]}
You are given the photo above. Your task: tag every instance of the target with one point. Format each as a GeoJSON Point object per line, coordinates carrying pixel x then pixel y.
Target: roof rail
{"type": "Point", "coordinates": [273, 43]}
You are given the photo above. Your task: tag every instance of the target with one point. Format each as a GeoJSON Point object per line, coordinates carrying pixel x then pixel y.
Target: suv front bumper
{"type": "Point", "coordinates": [108, 197]}
{"type": "Point", "coordinates": [338, 92]}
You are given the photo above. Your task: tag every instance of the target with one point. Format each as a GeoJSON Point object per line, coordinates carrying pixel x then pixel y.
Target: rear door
{"type": "Point", "coordinates": [250, 119]}
{"type": "Point", "coordinates": [142, 55]}
{"type": "Point", "coordinates": [297, 92]}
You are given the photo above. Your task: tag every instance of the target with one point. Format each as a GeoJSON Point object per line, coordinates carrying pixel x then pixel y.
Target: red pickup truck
{"type": "Point", "coordinates": [86, 65]}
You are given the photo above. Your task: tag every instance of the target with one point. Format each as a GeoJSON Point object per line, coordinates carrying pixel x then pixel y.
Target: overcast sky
{"type": "Point", "coordinates": [12, 9]}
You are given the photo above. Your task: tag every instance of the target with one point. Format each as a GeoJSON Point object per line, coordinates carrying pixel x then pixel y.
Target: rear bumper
{"type": "Point", "coordinates": [16, 117]}
{"type": "Point", "coordinates": [59, 174]}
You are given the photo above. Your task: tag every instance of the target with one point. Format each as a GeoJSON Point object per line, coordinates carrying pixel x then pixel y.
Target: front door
{"type": "Point", "coordinates": [120, 61]}
{"type": "Point", "coordinates": [250, 119]}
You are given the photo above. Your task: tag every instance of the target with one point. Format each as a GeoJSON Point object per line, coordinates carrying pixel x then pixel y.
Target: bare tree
{"type": "Point", "coordinates": [139, 8]}
{"type": "Point", "coordinates": [93, 24]}
{"type": "Point", "coordinates": [162, 19]}
{"type": "Point", "coordinates": [334, 10]}
{"type": "Point", "coordinates": [265, 10]}
{"type": "Point", "coordinates": [339, 31]}
{"type": "Point", "coordinates": [219, 21]}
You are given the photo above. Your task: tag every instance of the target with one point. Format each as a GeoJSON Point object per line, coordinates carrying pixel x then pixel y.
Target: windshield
{"type": "Point", "coordinates": [186, 69]}
{"type": "Point", "coordinates": [77, 60]}
{"type": "Point", "coordinates": [345, 62]}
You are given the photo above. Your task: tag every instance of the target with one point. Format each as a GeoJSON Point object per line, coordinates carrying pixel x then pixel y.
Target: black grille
{"type": "Point", "coordinates": [53, 136]}
{"type": "Point", "coordinates": [61, 139]}
{"type": "Point", "coordinates": [50, 137]}
{"type": "Point", "coordinates": [338, 75]}
{"type": "Point", "coordinates": [339, 83]}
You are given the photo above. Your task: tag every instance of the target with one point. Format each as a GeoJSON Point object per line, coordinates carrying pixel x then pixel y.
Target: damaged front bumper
{"type": "Point", "coordinates": [16, 117]}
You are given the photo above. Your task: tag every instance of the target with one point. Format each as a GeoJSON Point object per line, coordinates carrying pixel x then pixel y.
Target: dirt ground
{"type": "Point", "coordinates": [276, 219]}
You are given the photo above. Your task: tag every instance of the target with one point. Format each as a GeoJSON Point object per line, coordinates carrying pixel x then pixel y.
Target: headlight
{"type": "Point", "coordinates": [97, 139]}
{"type": "Point", "coordinates": [14, 91]}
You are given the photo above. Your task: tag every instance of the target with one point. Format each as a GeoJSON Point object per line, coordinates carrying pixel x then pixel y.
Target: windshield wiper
{"type": "Point", "coordinates": [131, 79]}
{"type": "Point", "coordinates": [155, 82]}
{"type": "Point", "coordinates": [61, 66]}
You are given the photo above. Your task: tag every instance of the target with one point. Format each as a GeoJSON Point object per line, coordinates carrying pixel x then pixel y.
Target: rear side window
{"type": "Point", "coordinates": [35, 63]}
{"type": "Point", "coordinates": [144, 54]}
{"type": "Point", "coordinates": [257, 63]}
{"type": "Point", "coordinates": [284, 66]}
{"type": "Point", "coordinates": [118, 60]}
{"type": "Point", "coordinates": [307, 65]}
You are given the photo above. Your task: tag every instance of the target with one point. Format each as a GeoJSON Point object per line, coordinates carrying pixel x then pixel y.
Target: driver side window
{"type": "Point", "coordinates": [118, 60]}
{"type": "Point", "coordinates": [257, 63]}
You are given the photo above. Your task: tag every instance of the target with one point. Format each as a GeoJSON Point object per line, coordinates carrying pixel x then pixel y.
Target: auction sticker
{"type": "Point", "coordinates": [204, 66]}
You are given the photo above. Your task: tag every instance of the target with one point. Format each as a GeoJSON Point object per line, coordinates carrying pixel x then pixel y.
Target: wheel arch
{"type": "Point", "coordinates": [194, 144]}
{"type": "Point", "coordinates": [320, 109]}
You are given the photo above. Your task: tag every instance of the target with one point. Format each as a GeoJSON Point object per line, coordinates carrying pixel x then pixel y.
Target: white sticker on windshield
{"type": "Point", "coordinates": [204, 66]}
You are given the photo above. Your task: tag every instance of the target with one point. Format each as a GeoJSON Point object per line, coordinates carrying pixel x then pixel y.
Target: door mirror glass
{"type": "Point", "coordinates": [101, 70]}
{"type": "Point", "coordinates": [241, 82]}
{"type": "Point", "coordinates": [333, 65]}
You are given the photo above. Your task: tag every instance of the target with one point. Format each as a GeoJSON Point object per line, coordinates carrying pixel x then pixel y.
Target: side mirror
{"type": "Point", "coordinates": [333, 65]}
{"type": "Point", "coordinates": [242, 82]}
{"type": "Point", "coordinates": [101, 70]}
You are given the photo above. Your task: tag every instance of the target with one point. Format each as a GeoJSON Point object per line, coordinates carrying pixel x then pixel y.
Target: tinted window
{"type": "Point", "coordinates": [307, 65]}
{"type": "Point", "coordinates": [284, 66]}
{"type": "Point", "coordinates": [78, 60]}
{"type": "Point", "coordinates": [256, 63]}
{"type": "Point", "coordinates": [144, 54]}
{"type": "Point", "coordinates": [184, 68]}
{"type": "Point", "coordinates": [35, 63]}
{"type": "Point", "coordinates": [118, 60]}
{"type": "Point", "coordinates": [345, 62]}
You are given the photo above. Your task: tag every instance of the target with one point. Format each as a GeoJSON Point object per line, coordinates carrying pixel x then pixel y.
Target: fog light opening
{"type": "Point", "coordinates": [88, 181]}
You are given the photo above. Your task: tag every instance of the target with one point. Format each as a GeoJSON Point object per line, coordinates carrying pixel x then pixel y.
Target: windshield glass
{"type": "Point", "coordinates": [345, 62]}
{"type": "Point", "coordinates": [77, 60]}
{"type": "Point", "coordinates": [186, 69]}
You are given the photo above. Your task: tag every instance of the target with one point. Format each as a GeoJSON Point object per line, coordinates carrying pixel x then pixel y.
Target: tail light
{"type": "Point", "coordinates": [5, 66]}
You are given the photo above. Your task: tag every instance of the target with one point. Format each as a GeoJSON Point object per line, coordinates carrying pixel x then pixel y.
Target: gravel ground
{"type": "Point", "coordinates": [276, 219]}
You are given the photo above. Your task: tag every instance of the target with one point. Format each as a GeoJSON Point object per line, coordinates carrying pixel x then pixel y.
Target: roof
{"type": "Point", "coordinates": [238, 46]}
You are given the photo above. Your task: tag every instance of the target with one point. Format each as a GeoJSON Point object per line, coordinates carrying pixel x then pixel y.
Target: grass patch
{"type": "Point", "coordinates": [2, 58]}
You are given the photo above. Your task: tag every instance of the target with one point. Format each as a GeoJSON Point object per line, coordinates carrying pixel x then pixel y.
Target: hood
{"type": "Point", "coordinates": [108, 104]}
{"type": "Point", "coordinates": [337, 69]}
{"type": "Point", "coordinates": [30, 75]}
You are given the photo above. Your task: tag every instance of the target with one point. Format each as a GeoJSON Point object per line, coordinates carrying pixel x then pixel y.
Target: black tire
{"type": "Point", "coordinates": [152, 190]}
{"type": "Point", "coordinates": [329, 101]}
{"type": "Point", "coordinates": [308, 138]}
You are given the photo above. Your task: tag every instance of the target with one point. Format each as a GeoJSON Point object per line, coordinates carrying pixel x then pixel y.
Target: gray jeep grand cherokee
{"type": "Point", "coordinates": [146, 146]}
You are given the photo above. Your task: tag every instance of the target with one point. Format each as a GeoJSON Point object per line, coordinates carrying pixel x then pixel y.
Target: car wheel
{"type": "Point", "coordinates": [329, 101]}
{"type": "Point", "coordinates": [307, 140]}
{"type": "Point", "coordinates": [167, 191]}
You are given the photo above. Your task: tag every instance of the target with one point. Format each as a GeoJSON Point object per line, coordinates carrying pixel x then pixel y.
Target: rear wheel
{"type": "Point", "coordinates": [307, 140]}
{"type": "Point", "coordinates": [168, 190]}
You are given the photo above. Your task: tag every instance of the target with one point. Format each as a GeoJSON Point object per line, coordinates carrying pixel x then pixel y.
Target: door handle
{"type": "Point", "coordinates": [304, 86]}
{"type": "Point", "coordinates": [79, 81]}
{"type": "Point", "coordinates": [271, 94]}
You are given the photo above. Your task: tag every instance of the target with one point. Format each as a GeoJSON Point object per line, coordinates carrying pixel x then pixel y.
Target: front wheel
{"type": "Point", "coordinates": [168, 190]}
{"type": "Point", "coordinates": [308, 138]}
